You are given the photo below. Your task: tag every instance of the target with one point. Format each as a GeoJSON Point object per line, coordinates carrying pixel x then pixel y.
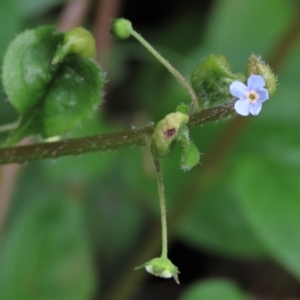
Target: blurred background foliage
{"type": "Point", "coordinates": [76, 227]}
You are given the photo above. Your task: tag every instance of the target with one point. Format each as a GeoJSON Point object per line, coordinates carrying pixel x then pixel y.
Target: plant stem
{"type": "Point", "coordinates": [102, 142]}
{"type": "Point", "coordinates": [172, 70]}
{"type": "Point", "coordinates": [163, 212]}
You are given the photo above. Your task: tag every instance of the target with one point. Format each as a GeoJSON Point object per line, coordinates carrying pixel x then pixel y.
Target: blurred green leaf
{"type": "Point", "coordinates": [45, 254]}
{"type": "Point", "coordinates": [10, 23]}
{"type": "Point", "coordinates": [216, 222]}
{"type": "Point", "coordinates": [214, 289]}
{"type": "Point", "coordinates": [239, 28]}
{"type": "Point", "coordinates": [269, 194]}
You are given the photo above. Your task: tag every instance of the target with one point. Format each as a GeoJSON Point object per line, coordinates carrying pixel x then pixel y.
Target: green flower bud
{"type": "Point", "coordinates": [51, 99]}
{"type": "Point", "coordinates": [258, 67]}
{"type": "Point", "coordinates": [211, 79]}
{"type": "Point", "coordinates": [161, 267]}
{"type": "Point", "coordinates": [165, 134]}
{"type": "Point", "coordinates": [121, 28]}
{"type": "Point", "coordinates": [78, 41]}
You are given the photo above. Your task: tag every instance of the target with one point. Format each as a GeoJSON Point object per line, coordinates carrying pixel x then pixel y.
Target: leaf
{"type": "Point", "coordinates": [215, 222]}
{"type": "Point", "coordinates": [46, 255]}
{"type": "Point", "coordinates": [268, 191]}
{"type": "Point", "coordinates": [214, 289]}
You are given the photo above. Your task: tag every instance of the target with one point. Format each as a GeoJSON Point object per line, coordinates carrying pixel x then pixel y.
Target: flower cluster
{"type": "Point", "coordinates": [250, 97]}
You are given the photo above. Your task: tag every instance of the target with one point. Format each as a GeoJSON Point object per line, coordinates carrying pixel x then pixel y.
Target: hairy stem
{"type": "Point", "coordinates": [163, 212]}
{"type": "Point", "coordinates": [172, 70]}
{"type": "Point", "coordinates": [103, 142]}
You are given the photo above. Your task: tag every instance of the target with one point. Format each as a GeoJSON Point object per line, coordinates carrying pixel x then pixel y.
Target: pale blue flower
{"type": "Point", "coordinates": [250, 97]}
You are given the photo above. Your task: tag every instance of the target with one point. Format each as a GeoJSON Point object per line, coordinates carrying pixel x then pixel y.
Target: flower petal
{"type": "Point", "coordinates": [255, 108]}
{"type": "Point", "coordinates": [263, 95]}
{"type": "Point", "coordinates": [255, 82]}
{"type": "Point", "coordinates": [242, 107]}
{"type": "Point", "coordinates": [238, 89]}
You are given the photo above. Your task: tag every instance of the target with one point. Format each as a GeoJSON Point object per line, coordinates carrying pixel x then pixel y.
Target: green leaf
{"type": "Point", "coordinates": [215, 222]}
{"type": "Point", "coordinates": [214, 289]}
{"type": "Point", "coordinates": [45, 254]}
{"type": "Point", "coordinates": [26, 67]}
{"type": "Point", "coordinates": [52, 98]}
{"type": "Point", "coordinates": [269, 193]}
{"type": "Point", "coordinates": [72, 96]}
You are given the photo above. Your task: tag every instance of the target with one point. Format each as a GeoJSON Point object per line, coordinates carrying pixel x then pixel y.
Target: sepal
{"type": "Point", "coordinates": [190, 157]}
{"type": "Point", "coordinates": [161, 267]}
{"type": "Point", "coordinates": [165, 134]}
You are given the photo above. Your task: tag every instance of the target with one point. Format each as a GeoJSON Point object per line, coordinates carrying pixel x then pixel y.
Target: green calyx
{"type": "Point", "coordinates": [165, 134]}
{"type": "Point", "coordinates": [51, 99]}
{"type": "Point", "coordinates": [121, 28]}
{"type": "Point", "coordinates": [258, 67]}
{"type": "Point", "coordinates": [211, 79]}
{"type": "Point", "coordinates": [173, 129]}
{"type": "Point", "coordinates": [78, 41]}
{"type": "Point", "coordinates": [161, 267]}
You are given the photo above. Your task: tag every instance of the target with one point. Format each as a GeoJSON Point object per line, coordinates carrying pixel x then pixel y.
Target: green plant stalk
{"type": "Point", "coordinates": [103, 142]}
{"type": "Point", "coordinates": [172, 70]}
{"type": "Point", "coordinates": [163, 211]}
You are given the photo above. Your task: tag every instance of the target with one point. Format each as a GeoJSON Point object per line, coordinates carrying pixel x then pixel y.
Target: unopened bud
{"type": "Point", "coordinates": [121, 28]}
{"type": "Point", "coordinates": [165, 134]}
{"type": "Point", "coordinates": [258, 67]}
{"type": "Point", "coordinates": [161, 267]}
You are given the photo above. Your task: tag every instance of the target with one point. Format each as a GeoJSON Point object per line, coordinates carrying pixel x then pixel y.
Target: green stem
{"type": "Point", "coordinates": [163, 212]}
{"type": "Point", "coordinates": [102, 142]}
{"type": "Point", "coordinates": [172, 70]}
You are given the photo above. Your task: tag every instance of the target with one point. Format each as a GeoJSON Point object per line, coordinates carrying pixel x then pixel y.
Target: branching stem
{"type": "Point", "coordinates": [172, 70]}
{"type": "Point", "coordinates": [103, 142]}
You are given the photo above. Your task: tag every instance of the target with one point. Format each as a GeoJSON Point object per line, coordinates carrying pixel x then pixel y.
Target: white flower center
{"type": "Point", "coordinates": [252, 96]}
